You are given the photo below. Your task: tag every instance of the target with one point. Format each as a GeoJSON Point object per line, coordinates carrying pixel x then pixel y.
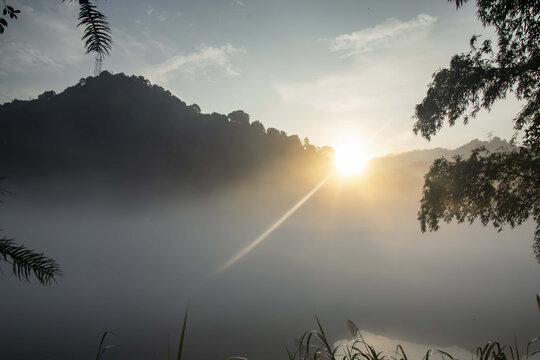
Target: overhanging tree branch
{"type": "Point", "coordinates": [501, 187]}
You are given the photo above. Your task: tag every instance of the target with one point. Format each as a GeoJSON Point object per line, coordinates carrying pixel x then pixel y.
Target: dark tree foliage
{"type": "Point", "coordinates": [257, 127]}
{"type": "Point", "coordinates": [239, 117]}
{"type": "Point", "coordinates": [501, 187]}
{"type": "Point", "coordinates": [7, 10]}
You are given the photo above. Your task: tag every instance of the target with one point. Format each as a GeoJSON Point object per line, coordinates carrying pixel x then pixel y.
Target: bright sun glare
{"type": "Point", "coordinates": [350, 159]}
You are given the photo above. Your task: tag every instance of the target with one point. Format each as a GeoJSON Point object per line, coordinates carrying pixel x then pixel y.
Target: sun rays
{"type": "Point", "coordinates": [248, 248]}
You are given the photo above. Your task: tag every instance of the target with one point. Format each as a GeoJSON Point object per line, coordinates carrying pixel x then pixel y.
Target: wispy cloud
{"type": "Point", "coordinates": [22, 57]}
{"type": "Point", "coordinates": [237, 3]}
{"type": "Point", "coordinates": [380, 36]}
{"type": "Point", "coordinates": [149, 10]}
{"type": "Point", "coordinates": [392, 78]}
{"type": "Point", "coordinates": [390, 82]}
{"type": "Point", "coordinates": [206, 59]}
{"type": "Point", "coordinates": [19, 55]}
{"type": "Point", "coordinates": [387, 83]}
{"type": "Point", "coordinates": [162, 16]}
{"type": "Point", "coordinates": [333, 92]}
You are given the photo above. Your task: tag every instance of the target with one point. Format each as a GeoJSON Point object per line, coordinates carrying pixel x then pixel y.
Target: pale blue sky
{"type": "Point", "coordinates": [329, 70]}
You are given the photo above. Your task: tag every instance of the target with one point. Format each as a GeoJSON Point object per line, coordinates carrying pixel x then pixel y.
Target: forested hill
{"type": "Point", "coordinates": [125, 130]}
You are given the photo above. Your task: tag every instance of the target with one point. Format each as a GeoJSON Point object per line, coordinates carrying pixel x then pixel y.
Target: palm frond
{"type": "Point", "coordinates": [25, 262]}
{"type": "Point", "coordinates": [97, 33]}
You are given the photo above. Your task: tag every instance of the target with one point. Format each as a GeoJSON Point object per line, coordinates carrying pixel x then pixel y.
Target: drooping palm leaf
{"type": "Point", "coordinates": [97, 33]}
{"type": "Point", "coordinates": [26, 262]}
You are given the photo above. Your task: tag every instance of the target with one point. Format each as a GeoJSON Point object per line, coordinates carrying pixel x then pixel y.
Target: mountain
{"type": "Point", "coordinates": [124, 130]}
{"type": "Point", "coordinates": [424, 158]}
{"type": "Point", "coordinates": [126, 134]}
{"type": "Point", "coordinates": [402, 175]}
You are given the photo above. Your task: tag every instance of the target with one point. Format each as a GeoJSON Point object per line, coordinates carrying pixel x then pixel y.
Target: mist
{"type": "Point", "coordinates": [352, 251]}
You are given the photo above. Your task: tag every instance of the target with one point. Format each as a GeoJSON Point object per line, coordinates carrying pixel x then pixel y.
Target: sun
{"type": "Point", "coordinates": [350, 159]}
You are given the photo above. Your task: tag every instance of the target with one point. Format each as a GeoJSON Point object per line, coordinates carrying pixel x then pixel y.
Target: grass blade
{"type": "Point", "coordinates": [181, 344]}
{"type": "Point", "coordinates": [101, 348]}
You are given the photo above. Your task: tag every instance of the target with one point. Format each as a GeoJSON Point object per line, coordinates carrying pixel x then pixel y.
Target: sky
{"type": "Point", "coordinates": [334, 71]}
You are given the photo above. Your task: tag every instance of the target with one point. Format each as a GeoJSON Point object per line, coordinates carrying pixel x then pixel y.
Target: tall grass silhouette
{"type": "Point", "coordinates": [315, 345]}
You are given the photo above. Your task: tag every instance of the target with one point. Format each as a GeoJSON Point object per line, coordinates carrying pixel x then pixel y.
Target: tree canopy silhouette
{"type": "Point", "coordinates": [134, 133]}
{"type": "Point", "coordinates": [498, 187]}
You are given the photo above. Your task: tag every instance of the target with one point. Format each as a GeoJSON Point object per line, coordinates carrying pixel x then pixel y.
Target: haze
{"type": "Point", "coordinates": [153, 191]}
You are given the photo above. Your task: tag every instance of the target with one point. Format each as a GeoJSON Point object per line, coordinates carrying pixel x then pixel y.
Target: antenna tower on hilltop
{"type": "Point", "coordinates": [99, 63]}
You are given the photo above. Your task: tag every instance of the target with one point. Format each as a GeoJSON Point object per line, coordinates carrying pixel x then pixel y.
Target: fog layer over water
{"type": "Point", "coordinates": [352, 251]}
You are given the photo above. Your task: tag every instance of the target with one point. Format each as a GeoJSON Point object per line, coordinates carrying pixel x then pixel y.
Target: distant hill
{"type": "Point", "coordinates": [126, 130]}
{"type": "Point", "coordinates": [403, 174]}
{"type": "Point", "coordinates": [125, 133]}
{"type": "Point", "coordinates": [424, 158]}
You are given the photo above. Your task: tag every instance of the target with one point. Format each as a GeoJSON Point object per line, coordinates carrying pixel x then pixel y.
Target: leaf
{"type": "Point", "coordinates": [25, 262]}
{"type": "Point", "coordinates": [97, 33]}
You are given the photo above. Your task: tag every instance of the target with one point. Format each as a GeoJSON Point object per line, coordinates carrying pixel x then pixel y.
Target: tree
{"type": "Point", "coordinates": [239, 118]}
{"type": "Point", "coordinates": [502, 188]}
{"type": "Point", "coordinates": [308, 146]}
{"type": "Point", "coordinates": [257, 127]}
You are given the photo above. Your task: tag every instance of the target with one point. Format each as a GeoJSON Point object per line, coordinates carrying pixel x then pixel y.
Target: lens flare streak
{"type": "Point", "coordinates": [246, 250]}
